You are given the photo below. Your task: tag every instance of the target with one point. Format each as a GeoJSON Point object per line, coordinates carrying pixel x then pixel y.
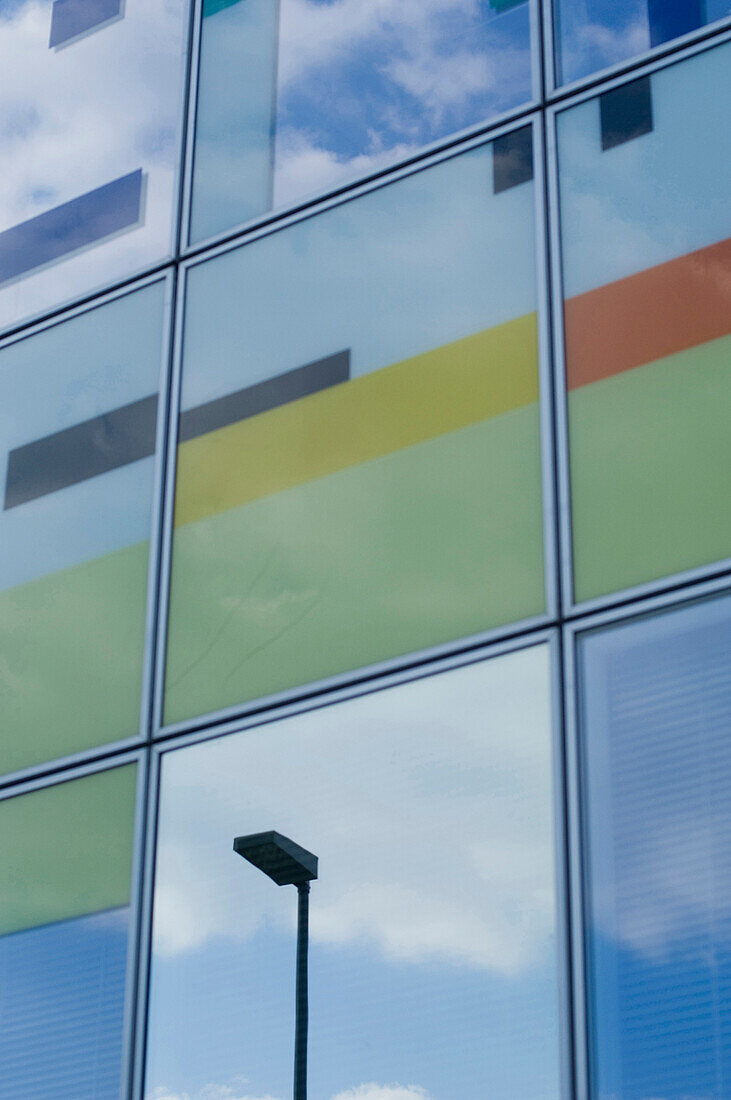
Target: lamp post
{"type": "Point", "coordinates": [287, 864]}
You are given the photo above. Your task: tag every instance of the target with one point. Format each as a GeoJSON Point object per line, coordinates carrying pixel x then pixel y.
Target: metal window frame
{"type": "Point", "coordinates": [343, 191]}
{"type": "Point", "coordinates": [570, 607]}
{"type": "Point", "coordinates": [548, 637]}
{"type": "Point", "coordinates": [134, 957]}
{"type": "Point", "coordinates": [578, 828]}
{"type": "Point", "coordinates": [105, 750]}
{"type": "Point", "coordinates": [432, 653]}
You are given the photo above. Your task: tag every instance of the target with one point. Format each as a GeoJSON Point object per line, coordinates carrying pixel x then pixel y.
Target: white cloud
{"type": "Point", "coordinates": [79, 117]}
{"type": "Point", "coordinates": [383, 1092]}
{"type": "Point", "coordinates": [208, 1092]}
{"type": "Point", "coordinates": [429, 808]}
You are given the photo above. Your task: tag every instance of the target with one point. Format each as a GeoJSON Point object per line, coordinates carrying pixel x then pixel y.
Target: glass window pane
{"type": "Point", "coordinates": [359, 472]}
{"type": "Point", "coordinates": [432, 952]}
{"type": "Point", "coordinates": [655, 719]}
{"type": "Point", "coordinates": [299, 96]}
{"type": "Point", "coordinates": [90, 99]}
{"type": "Point", "coordinates": [646, 240]}
{"type": "Point", "coordinates": [78, 408]}
{"type": "Point", "coordinates": [65, 874]}
{"type": "Point", "coordinates": [593, 34]}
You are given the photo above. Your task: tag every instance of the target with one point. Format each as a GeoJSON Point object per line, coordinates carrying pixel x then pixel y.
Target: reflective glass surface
{"type": "Point", "coordinates": [655, 719]}
{"type": "Point", "coordinates": [593, 34]}
{"type": "Point", "coordinates": [90, 103]}
{"type": "Point", "coordinates": [65, 873]}
{"type": "Point", "coordinates": [431, 929]}
{"type": "Point", "coordinates": [296, 97]}
{"type": "Point", "coordinates": [359, 466]}
{"type": "Point", "coordinates": [78, 407]}
{"type": "Point", "coordinates": [646, 243]}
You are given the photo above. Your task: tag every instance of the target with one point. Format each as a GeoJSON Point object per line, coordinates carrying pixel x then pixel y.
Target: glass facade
{"type": "Point", "coordinates": [297, 97]}
{"type": "Point", "coordinates": [646, 251]}
{"type": "Point", "coordinates": [594, 34]}
{"type": "Point", "coordinates": [655, 714]}
{"type": "Point", "coordinates": [346, 438]}
{"type": "Point", "coordinates": [91, 102]}
{"type": "Point", "coordinates": [433, 952]}
{"type": "Point", "coordinates": [78, 425]}
{"type": "Point", "coordinates": [364, 389]}
{"type": "Point", "coordinates": [65, 880]}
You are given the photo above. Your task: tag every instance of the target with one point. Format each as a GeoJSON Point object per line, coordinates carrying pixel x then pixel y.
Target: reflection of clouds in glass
{"type": "Point", "coordinates": [208, 1092]}
{"type": "Point", "coordinates": [369, 1091]}
{"type": "Point", "coordinates": [429, 807]}
{"type": "Point", "coordinates": [77, 118]}
{"type": "Point", "coordinates": [597, 46]}
{"type": "Point", "coordinates": [383, 1092]}
{"type": "Point", "coordinates": [364, 82]}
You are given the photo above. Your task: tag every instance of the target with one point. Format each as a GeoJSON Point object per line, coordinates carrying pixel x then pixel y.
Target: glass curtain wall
{"type": "Point", "coordinates": [359, 456]}
{"type": "Point", "coordinates": [78, 426]}
{"type": "Point", "coordinates": [91, 101]}
{"type": "Point", "coordinates": [432, 929]}
{"type": "Point", "coordinates": [646, 257]}
{"type": "Point", "coordinates": [297, 97]}
{"type": "Point", "coordinates": [65, 889]}
{"type": "Point", "coordinates": [655, 712]}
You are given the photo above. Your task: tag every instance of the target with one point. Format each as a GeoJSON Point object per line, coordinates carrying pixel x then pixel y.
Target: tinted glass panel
{"type": "Point", "coordinates": [65, 874]}
{"type": "Point", "coordinates": [77, 438]}
{"type": "Point", "coordinates": [592, 34]}
{"type": "Point", "coordinates": [431, 932]}
{"type": "Point", "coordinates": [359, 473]}
{"type": "Point", "coordinates": [90, 101]}
{"type": "Point", "coordinates": [298, 96]}
{"type": "Point", "coordinates": [655, 715]}
{"type": "Point", "coordinates": [646, 243]}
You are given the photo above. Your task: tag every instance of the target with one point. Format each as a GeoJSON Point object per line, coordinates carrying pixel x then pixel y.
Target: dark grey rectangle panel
{"type": "Point", "coordinates": [626, 112]}
{"type": "Point", "coordinates": [64, 229]}
{"type": "Point", "coordinates": [512, 159]}
{"type": "Point", "coordinates": [70, 18]}
{"type": "Point", "coordinates": [85, 450]}
{"type": "Point", "coordinates": [262, 396]}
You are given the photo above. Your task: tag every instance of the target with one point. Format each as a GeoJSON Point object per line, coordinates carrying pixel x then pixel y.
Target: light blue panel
{"type": "Point", "coordinates": [432, 922]}
{"type": "Point", "coordinates": [409, 267]}
{"type": "Point", "coordinates": [654, 198]}
{"type": "Point", "coordinates": [62, 1009]}
{"type": "Point", "coordinates": [103, 359]}
{"type": "Point", "coordinates": [234, 154]}
{"type": "Point", "coordinates": [655, 720]}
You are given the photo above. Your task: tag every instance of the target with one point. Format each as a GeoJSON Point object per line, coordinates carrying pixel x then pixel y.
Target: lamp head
{"type": "Point", "coordinates": [285, 862]}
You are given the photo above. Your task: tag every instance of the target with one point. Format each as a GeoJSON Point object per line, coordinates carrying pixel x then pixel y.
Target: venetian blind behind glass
{"type": "Point", "coordinates": [656, 717]}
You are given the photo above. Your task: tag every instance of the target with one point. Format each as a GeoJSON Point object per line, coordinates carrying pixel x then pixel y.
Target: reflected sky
{"type": "Point", "coordinates": [73, 119]}
{"type": "Point", "coordinates": [656, 712]}
{"type": "Point", "coordinates": [594, 34]}
{"type": "Point", "coordinates": [433, 970]}
{"type": "Point", "coordinates": [336, 89]}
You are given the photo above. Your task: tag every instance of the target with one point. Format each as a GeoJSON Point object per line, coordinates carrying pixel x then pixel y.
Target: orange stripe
{"type": "Point", "coordinates": [658, 312]}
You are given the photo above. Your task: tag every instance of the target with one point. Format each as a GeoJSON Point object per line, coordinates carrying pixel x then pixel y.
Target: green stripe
{"type": "Point", "coordinates": [503, 5]}
{"type": "Point", "coordinates": [71, 649]}
{"type": "Point", "coordinates": [210, 7]}
{"type": "Point", "coordinates": [437, 541]}
{"type": "Point", "coordinates": [67, 850]}
{"type": "Point", "coordinates": [651, 470]}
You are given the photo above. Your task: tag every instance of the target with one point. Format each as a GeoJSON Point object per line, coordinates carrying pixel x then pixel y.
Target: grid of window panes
{"type": "Point", "coordinates": [365, 375]}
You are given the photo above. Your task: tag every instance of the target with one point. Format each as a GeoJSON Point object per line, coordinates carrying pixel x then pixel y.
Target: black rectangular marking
{"type": "Point", "coordinates": [83, 451]}
{"type": "Point", "coordinates": [512, 159]}
{"type": "Point", "coordinates": [626, 112]}
{"type": "Point", "coordinates": [263, 396]}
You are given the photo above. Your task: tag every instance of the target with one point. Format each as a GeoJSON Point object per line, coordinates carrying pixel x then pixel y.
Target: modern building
{"type": "Point", "coordinates": [365, 434]}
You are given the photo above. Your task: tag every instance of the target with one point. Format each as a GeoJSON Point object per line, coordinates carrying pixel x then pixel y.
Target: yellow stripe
{"type": "Point", "coordinates": [439, 391]}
